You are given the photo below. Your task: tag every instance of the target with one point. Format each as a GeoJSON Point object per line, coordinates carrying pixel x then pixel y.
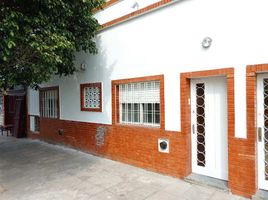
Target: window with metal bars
{"type": "Point", "coordinates": [49, 102]}
{"type": "Point", "coordinates": [35, 123]}
{"type": "Point", "coordinates": [140, 103]}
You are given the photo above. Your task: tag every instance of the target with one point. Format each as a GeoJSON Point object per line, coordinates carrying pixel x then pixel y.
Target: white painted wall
{"type": "Point", "coordinates": [33, 102]}
{"type": "Point", "coordinates": [120, 9]}
{"type": "Point", "coordinates": [168, 42]}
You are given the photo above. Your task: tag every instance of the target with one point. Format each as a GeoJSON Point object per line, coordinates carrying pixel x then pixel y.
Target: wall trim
{"type": "Point", "coordinates": [137, 13]}
{"type": "Point", "coordinates": [106, 5]}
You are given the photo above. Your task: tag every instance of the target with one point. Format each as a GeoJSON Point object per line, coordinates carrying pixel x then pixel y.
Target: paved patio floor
{"type": "Point", "coordinates": [33, 170]}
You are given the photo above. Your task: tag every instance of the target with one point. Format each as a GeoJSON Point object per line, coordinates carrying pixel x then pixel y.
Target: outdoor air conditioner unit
{"type": "Point", "coordinates": [163, 145]}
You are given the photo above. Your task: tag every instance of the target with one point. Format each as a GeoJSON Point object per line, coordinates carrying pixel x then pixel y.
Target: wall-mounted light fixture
{"type": "Point", "coordinates": [83, 66]}
{"type": "Point", "coordinates": [135, 5]}
{"type": "Point", "coordinates": [206, 43]}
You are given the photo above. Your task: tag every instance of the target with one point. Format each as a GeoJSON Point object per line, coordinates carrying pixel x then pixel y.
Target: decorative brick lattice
{"type": "Point", "coordinates": [92, 97]}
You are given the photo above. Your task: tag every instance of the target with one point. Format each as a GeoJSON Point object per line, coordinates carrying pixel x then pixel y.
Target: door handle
{"type": "Point", "coordinates": [193, 128]}
{"type": "Point", "coordinates": [259, 134]}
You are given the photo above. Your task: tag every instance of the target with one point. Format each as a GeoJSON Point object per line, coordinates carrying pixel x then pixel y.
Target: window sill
{"type": "Point", "coordinates": [49, 118]}
{"type": "Point", "coordinates": [91, 109]}
{"type": "Point", "coordinates": [138, 126]}
{"type": "Point", "coordinates": [34, 132]}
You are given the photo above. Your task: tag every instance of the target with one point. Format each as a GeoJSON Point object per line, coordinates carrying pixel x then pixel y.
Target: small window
{"type": "Point", "coordinates": [140, 103]}
{"type": "Point", "coordinates": [49, 102]}
{"type": "Point", "coordinates": [91, 97]}
{"type": "Point", "coordinates": [35, 123]}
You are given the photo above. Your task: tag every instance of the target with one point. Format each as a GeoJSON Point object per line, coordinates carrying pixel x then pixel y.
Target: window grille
{"type": "Point", "coordinates": [49, 103]}
{"type": "Point", "coordinates": [91, 97]}
{"type": "Point", "coordinates": [140, 103]}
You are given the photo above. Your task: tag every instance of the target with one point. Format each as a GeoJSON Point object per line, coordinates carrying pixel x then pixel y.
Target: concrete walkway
{"type": "Point", "coordinates": [33, 170]}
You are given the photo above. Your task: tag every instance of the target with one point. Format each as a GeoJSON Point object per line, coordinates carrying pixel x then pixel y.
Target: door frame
{"type": "Point", "coordinates": [185, 79]}
{"type": "Point", "coordinates": [251, 84]}
{"type": "Point", "coordinates": [259, 124]}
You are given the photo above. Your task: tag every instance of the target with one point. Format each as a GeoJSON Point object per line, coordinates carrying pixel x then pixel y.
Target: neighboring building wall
{"type": "Point", "coordinates": [165, 42]}
{"type": "Point", "coordinates": [9, 109]}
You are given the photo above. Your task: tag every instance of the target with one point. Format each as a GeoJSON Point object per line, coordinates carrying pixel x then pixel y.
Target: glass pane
{"type": "Point", "coordinates": [136, 112]}
{"type": "Point", "coordinates": [129, 112]}
{"type": "Point", "coordinates": [157, 113]}
{"type": "Point", "coordinates": [200, 124]}
{"type": "Point", "coordinates": [123, 112]}
{"type": "Point", "coordinates": [150, 113]}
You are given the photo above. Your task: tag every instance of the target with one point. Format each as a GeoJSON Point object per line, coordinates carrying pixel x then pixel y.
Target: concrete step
{"type": "Point", "coordinates": [207, 181]}
{"type": "Point", "coordinates": [260, 195]}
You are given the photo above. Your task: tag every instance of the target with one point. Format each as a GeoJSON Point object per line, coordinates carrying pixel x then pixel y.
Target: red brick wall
{"type": "Point", "coordinates": [242, 152]}
{"type": "Point", "coordinates": [139, 146]}
{"type": "Point", "coordinates": [248, 167]}
{"type": "Point", "coordinates": [130, 144]}
{"type": "Point", "coordinates": [133, 145]}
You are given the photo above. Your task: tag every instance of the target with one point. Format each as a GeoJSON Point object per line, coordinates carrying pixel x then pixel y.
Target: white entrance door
{"type": "Point", "coordinates": [262, 131]}
{"type": "Point", "coordinates": [209, 127]}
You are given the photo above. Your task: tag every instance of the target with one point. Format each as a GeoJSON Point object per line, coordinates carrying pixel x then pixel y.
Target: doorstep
{"type": "Point", "coordinates": [207, 181]}
{"type": "Point", "coordinates": [260, 195]}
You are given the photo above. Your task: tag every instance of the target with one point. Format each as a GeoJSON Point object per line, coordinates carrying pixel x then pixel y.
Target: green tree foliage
{"type": "Point", "coordinates": [39, 38]}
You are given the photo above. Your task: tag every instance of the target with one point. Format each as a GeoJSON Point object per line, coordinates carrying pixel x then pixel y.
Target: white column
{"type": "Point", "coordinates": [172, 101]}
{"type": "Point", "coordinates": [240, 102]}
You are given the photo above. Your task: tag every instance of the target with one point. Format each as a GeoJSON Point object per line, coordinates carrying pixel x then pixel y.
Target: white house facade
{"type": "Point", "coordinates": [177, 87]}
